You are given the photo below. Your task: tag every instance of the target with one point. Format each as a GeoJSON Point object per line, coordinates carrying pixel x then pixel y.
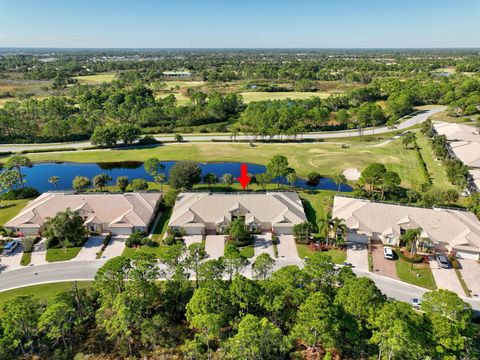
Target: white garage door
{"type": "Point", "coordinates": [466, 255]}
{"type": "Point", "coordinates": [283, 230]}
{"type": "Point", "coordinates": [358, 238]}
{"type": "Point", "coordinates": [194, 230]}
{"type": "Point", "coordinates": [121, 231]}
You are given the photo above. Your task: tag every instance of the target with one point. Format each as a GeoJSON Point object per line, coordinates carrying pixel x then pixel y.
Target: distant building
{"type": "Point", "coordinates": [177, 74]}
{"type": "Point", "coordinates": [101, 212]}
{"type": "Point", "coordinates": [201, 213]}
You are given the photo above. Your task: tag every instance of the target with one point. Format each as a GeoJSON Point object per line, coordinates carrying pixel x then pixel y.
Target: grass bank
{"type": "Point", "coordinates": [418, 274]}
{"type": "Point", "coordinates": [328, 159]}
{"type": "Point", "coordinates": [43, 292]}
{"type": "Point", "coordinates": [62, 254]}
{"type": "Point", "coordinates": [11, 208]}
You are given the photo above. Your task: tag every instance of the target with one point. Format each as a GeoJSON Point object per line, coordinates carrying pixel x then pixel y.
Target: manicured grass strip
{"type": "Point", "coordinates": [338, 256]}
{"type": "Point", "coordinates": [43, 291]}
{"type": "Point", "coordinates": [462, 282]}
{"type": "Point", "coordinates": [275, 247]}
{"type": "Point", "coordinates": [26, 258]}
{"type": "Point", "coordinates": [161, 226]}
{"type": "Point", "coordinates": [247, 251]}
{"type": "Point", "coordinates": [61, 254]}
{"type": "Point", "coordinates": [425, 279]}
{"type": "Point", "coordinates": [128, 252]}
{"type": "Point", "coordinates": [10, 208]}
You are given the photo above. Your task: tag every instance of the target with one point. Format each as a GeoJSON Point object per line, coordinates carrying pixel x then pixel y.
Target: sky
{"type": "Point", "coordinates": [240, 24]}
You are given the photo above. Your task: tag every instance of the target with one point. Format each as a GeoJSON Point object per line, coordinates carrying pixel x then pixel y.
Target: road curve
{"type": "Point", "coordinates": [86, 270]}
{"type": "Point", "coordinates": [404, 123]}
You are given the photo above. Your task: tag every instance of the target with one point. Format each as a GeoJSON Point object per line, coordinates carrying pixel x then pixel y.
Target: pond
{"type": "Point", "coordinates": [37, 175]}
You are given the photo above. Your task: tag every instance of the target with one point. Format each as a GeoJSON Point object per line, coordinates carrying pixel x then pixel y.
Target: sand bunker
{"type": "Point", "coordinates": [352, 174]}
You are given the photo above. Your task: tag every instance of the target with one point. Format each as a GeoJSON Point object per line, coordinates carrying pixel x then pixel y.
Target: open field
{"type": "Point", "coordinates": [182, 100]}
{"type": "Point", "coordinates": [249, 97]}
{"type": "Point", "coordinates": [183, 84]}
{"type": "Point", "coordinates": [327, 159]}
{"type": "Point", "coordinates": [95, 79]}
{"type": "Point", "coordinates": [10, 208]}
{"type": "Point", "coordinates": [43, 292]}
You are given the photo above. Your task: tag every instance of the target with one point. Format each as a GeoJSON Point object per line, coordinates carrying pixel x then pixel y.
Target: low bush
{"type": "Point", "coordinates": [28, 242]}
{"type": "Point", "coordinates": [455, 263]}
{"type": "Point", "coordinates": [18, 194]}
{"type": "Point", "coordinates": [171, 240]}
{"type": "Point", "coordinates": [32, 151]}
{"type": "Point", "coordinates": [134, 239]}
{"type": "Point", "coordinates": [417, 259]}
{"type": "Point", "coordinates": [148, 140]}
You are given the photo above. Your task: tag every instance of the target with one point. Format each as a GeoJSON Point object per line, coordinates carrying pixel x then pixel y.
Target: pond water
{"type": "Point", "coordinates": [37, 175]}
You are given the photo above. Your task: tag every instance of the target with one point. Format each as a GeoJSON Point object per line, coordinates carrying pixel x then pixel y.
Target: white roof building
{"type": "Point", "coordinates": [457, 132]}
{"type": "Point", "coordinates": [102, 212]}
{"type": "Point", "coordinates": [451, 230]}
{"type": "Point", "coordinates": [201, 212]}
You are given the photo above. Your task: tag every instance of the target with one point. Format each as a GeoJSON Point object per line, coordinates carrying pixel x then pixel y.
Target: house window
{"type": "Point", "coordinates": [92, 227]}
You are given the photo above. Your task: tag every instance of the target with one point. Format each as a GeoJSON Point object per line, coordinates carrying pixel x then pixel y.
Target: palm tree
{"type": "Point", "coordinates": [160, 179]}
{"type": "Point", "coordinates": [338, 225]}
{"type": "Point", "coordinates": [54, 180]}
{"type": "Point", "coordinates": [101, 180]}
{"type": "Point", "coordinates": [339, 180]}
{"type": "Point", "coordinates": [17, 161]}
{"type": "Point", "coordinates": [291, 178]}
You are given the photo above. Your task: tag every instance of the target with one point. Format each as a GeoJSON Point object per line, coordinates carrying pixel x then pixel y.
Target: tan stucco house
{"type": "Point", "coordinates": [447, 230]}
{"type": "Point", "coordinates": [102, 212]}
{"type": "Point", "coordinates": [202, 212]}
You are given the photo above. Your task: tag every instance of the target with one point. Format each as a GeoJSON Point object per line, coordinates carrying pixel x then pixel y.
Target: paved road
{"type": "Point", "coordinates": [86, 270]}
{"type": "Point", "coordinates": [403, 124]}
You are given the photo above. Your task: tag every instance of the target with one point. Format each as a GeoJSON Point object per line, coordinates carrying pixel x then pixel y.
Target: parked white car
{"type": "Point", "coordinates": [388, 253]}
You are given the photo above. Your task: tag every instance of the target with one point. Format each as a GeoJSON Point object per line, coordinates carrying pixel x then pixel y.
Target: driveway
{"type": "Point", "coordinates": [90, 249]}
{"type": "Point", "coordinates": [446, 278]}
{"type": "Point", "coordinates": [115, 247]}
{"type": "Point", "coordinates": [471, 275]}
{"type": "Point", "coordinates": [215, 246]}
{"type": "Point", "coordinates": [287, 249]}
{"type": "Point", "coordinates": [262, 244]}
{"type": "Point", "coordinates": [39, 253]}
{"type": "Point", "coordinates": [12, 261]}
{"type": "Point", "coordinates": [357, 255]}
{"type": "Point", "coordinates": [192, 239]}
{"type": "Point", "coordinates": [381, 265]}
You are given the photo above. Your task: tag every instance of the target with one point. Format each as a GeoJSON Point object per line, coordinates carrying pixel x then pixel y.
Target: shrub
{"type": "Point", "coordinates": [28, 243]}
{"type": "Point", "coordinates": [148, 140]}
{"type": "Point", "coordinates": [18, 194]}
{"type": "Point", "coordinates": [455, 263]}
{"type": "Point", "coordinates": [139, 184]}
{"type": "Point", "coordinates": [417, 259]}
{"type": "Point", "coordinates": [134, 239]}
{"type": "Point", "coordinates": [313, 178]}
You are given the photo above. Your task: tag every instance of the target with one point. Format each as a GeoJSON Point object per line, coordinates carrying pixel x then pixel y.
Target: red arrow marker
{"type": "Point", "coordinates": [244, 179]}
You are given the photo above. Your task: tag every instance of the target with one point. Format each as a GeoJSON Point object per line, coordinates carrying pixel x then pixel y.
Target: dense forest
{"type": "Point", "coordinates": [315, 312]}
{"type": "Point", "coordinates": [390, 85]}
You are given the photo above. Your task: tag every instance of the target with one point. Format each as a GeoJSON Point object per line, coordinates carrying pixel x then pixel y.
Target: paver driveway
{"type": "Point", "coordinates": [286, 247]}
{"type": "Point", "coordinates": [192, 239]}
{"type": "Point", "coordinates": [381, 265]}
{"type": "Point", "coordinates": [446, 278]}
{"type": "Point", "coordinates": [262, 244]}
{"type": "Point", "coordinates": [39, 253]}
{"type": "Point", "coordinates": [90, 249]}
{"type": "Point", "coordinates": [12, 261]}
{"type": "Point", "coordinates": [215, 246]}
{"type": "Point", "coordinates": [471, 275]}
{"type": "Point", "coordinates": [115, 247]}
{"type": "Point", "coordinates": [357, 255]}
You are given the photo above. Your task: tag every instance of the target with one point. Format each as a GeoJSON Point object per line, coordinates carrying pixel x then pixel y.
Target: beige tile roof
{"type": "Point", "coordinates": [467, 152]}
{"type": "Point", "coordinates": [119, 210]}
{"type": "Point", "coordinates": [270, 207]}
{"type": "Point", "coordinates": [475, 174]}
{"type": "Point", "coordinates": [448, 227]}
{"type": "Point", "coordinates": [457, 132]}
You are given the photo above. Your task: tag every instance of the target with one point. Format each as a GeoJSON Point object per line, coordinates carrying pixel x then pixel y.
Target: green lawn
{"type": "Point", "coordinates": [425, 279]}
{"type": "Point", "coordinates": [434, 167]}
{"type": "Point", "coordinates": [247, 251]}
{"type": "Point", "coordinates": [326, 158]}
{"type": "Point", "coordinates": [62, 254]}
{"type": "Point", "coordinates": [338, 256]}
{"type": "Point", "coordinates": [95, 79]}
{"type": "Point", "coordinates": [252, 96]}
{"type": "Point", "coordinates": [182, 100]}
{"type": "Point", "coordinates": [128, 252]}
{"type": "Point", "coordinates": [10, 208]}
{"type": "Point", "coordinates": [317, 205]}
{"type": "Point", "coordinates": [26, 258]}
{"type": "Point", "coordinates": [43, 291]}
{"type": "Point", "coordinates": [161, 226]}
